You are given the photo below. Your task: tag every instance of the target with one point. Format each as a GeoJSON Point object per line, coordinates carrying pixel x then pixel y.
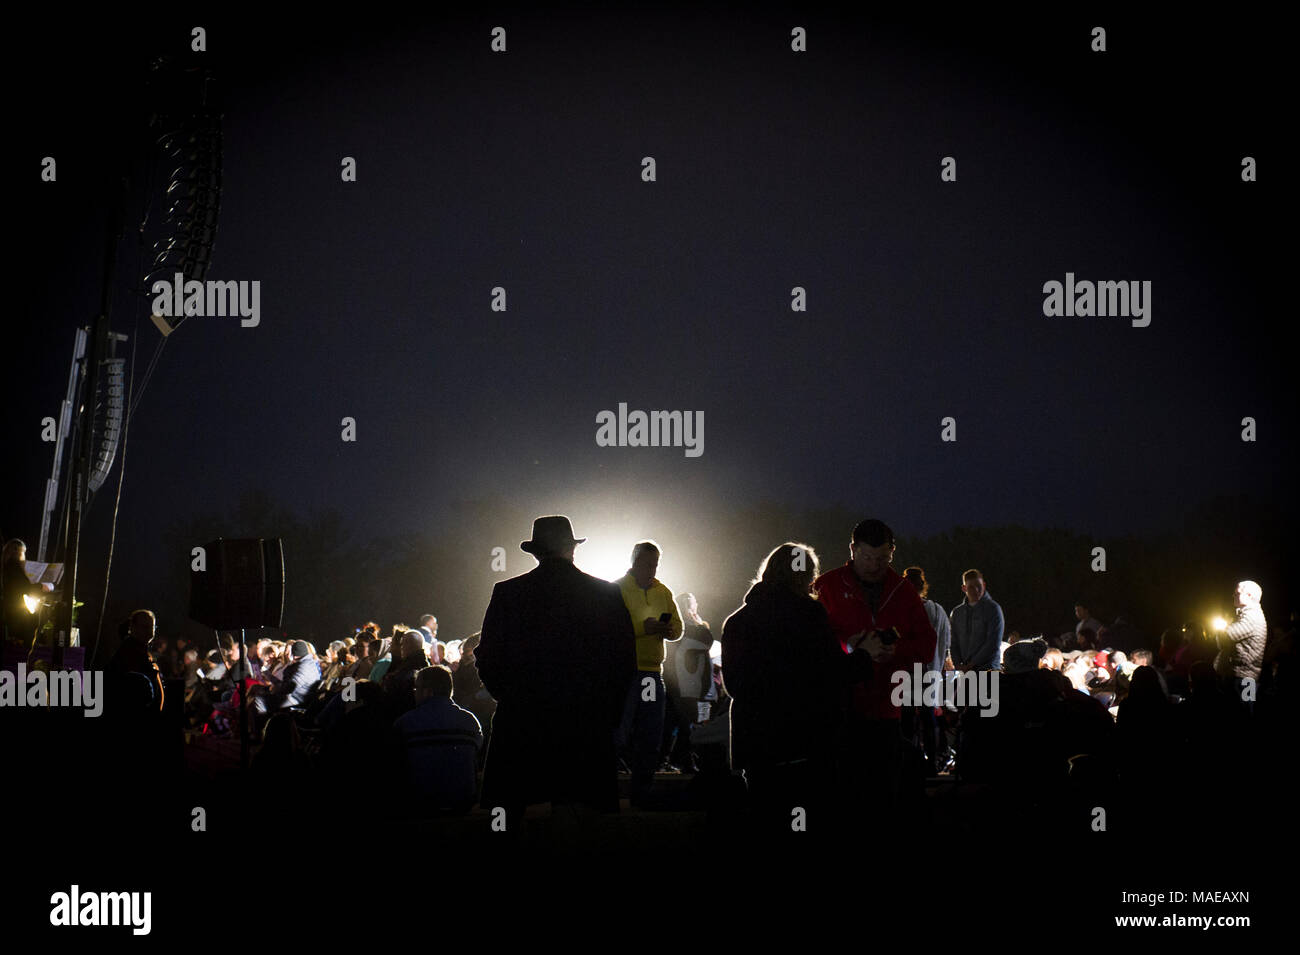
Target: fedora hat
{"type": "Point", "coordinates": [550, 534]}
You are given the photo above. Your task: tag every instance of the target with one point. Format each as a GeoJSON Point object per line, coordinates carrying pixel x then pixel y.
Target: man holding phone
{"type": "Point", "coordinates": [654, 620]}
{"type": "Point", "coordinates": [874, 610]}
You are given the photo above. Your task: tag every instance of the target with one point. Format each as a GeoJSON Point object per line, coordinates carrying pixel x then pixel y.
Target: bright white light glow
{"type": "Point", "coordinates": [31, 603]}
{"type": "Point", "coordinates": [1219, 623]}
{"type": "Point", "coordinates": [604, 557]}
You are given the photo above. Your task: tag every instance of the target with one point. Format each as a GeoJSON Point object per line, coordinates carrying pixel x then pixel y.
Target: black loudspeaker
{"type": "Point", "coordinates": [241, 586]}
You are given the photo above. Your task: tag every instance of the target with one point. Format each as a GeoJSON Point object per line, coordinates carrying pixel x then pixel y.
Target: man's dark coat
{"type": "Point", "coordinates": [558, 654]}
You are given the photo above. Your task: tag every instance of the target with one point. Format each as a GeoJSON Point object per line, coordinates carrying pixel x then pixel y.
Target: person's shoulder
{"type": "Point", "coordinates": [541, 578]}
{"type": "Point", "coordinates": [663, 588]}
{"type": "Point", "coordinates": [597, 584]}
{"type": "Point", "coordinates": [902, 587]}
{"type": "Point", "coordinates": [584, 583]}
{"type": "Point", "coordinates": [514, 583]}
{"type": "Point", "coordinates": [735, 619]}
{"type": "Point", "coordinates": [833, 575]}
{"type": "Point", "coordinates": [466, 717]}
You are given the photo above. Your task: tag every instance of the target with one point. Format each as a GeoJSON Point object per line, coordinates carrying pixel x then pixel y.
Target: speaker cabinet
{"type": "Point", "coordinates": [241, 586]}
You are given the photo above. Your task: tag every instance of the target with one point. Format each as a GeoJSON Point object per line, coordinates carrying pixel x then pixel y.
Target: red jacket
{"type": "Point", "coordinates": [840, 592]}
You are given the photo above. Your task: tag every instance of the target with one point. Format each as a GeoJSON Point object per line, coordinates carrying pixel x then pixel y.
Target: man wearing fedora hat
{"type": "Point", "coordinates": [557, 651]}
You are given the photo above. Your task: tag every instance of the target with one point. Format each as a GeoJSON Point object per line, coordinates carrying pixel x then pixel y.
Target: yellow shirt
{"type": "Point", "coordinates": [649, 602]}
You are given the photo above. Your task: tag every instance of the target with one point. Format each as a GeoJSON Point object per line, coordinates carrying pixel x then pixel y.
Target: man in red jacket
{"type": "Point", "coordinates": [866, 599]}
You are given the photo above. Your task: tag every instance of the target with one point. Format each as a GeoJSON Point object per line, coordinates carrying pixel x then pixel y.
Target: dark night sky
{"type": "Point", "coordinates": [774, 170]}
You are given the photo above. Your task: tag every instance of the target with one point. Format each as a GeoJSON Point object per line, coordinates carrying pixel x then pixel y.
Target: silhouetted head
{"type": "Point", "coordinates": [15, 550]}
{"type": "Point", "coordinates": [552, 538]}
{"type": "Point", "coordinates": [791, 567]}
{"type": "Point", "coordinates": [871, 548]}
{"type": "Point", "coordinates": [432, 681]}
{"type": "Point", "coordinates": [645, 562]}
{"type": "Point", "coordinates": [412, 643]}
{"type": "Point", "coordinates": [143, 625]}
{"type": "Point", "coordinates": [916, 577]}
{"type": "Point", "coordinates": [1024, 656]}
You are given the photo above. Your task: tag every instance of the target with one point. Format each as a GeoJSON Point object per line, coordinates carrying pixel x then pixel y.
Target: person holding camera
{"type": "Point", "coordinates": [874, 610]}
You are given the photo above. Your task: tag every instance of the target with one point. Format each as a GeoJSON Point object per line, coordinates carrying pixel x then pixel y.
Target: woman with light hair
{"type": "Point", "coordinates": [789, 680]}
